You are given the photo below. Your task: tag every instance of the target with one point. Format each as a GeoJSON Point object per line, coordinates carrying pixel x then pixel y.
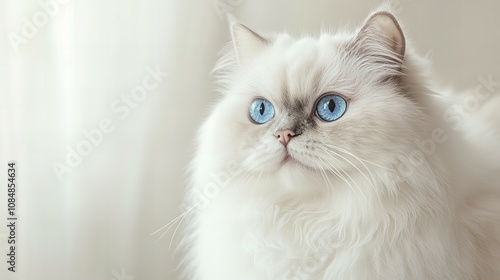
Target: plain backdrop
{"type": "Point", "coordinates": [96, 222]}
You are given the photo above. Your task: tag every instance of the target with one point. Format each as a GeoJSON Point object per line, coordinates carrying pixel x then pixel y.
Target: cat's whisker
{"type": "Point", "coordinates": [357, 158]}
{"type": "Point", "coordinates": [169, 225]}
{"type": "Point", "coordinates": [337, 172]}
{"type": "Point", "coordinates": [361, 160]}
{"type": "Point", "coordinates": [347, 174]}
{"type": "Point", "coordinates": [178, 217]}
{"type": "Point", "coordinates": [342, 177]}
{"type": "Point", "coordinates": [175, 231]}
{"type": "Point", "coordinates": [372, 182]}
{"type": "Point", "coordinates": [181, 217]}
{"type": "Point", "coordinates": [353, 165]}
{"type": "Point", "coordinates": [354, 181]}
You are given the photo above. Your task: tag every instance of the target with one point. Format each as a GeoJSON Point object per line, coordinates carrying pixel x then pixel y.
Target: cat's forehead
{"type": "Point", "coordinates": [300, 70]}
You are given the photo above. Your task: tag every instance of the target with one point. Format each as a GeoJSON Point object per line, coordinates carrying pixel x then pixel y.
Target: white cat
{"type": "Point", "coordinates": [333, 158]}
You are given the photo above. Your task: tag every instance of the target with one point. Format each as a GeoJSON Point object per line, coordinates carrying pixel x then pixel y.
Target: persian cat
{"type": "Point", "coordinates": [334, 157]}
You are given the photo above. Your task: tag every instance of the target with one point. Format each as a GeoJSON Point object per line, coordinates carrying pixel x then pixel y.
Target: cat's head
{"type": "Point", "coordinates": [316, 104]}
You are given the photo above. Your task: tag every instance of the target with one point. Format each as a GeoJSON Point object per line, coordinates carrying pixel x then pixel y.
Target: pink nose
{"type": "Point", "coordinates": [284, 136]}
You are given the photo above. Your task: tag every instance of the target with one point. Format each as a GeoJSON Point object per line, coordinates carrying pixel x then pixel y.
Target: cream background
{"type": "Point", "coordinates": [99, 219]}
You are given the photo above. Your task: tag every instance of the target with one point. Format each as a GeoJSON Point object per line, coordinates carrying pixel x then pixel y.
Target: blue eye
{"type": "Point", "coordinates": [331, 107]}
{"type": "Point", "coordinates": [261, 110]}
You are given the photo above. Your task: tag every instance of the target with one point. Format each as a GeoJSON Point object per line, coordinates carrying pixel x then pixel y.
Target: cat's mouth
{"type": "Point", "coordinates": [290, 160]}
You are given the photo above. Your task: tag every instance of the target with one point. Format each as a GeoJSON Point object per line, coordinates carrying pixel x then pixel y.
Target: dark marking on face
{"type": "Point", "coordinates": [295, 106]}
{"type": "Point", "coordinates": [296, 114]}
{"type": "Point", "coordinates": [298, 121]}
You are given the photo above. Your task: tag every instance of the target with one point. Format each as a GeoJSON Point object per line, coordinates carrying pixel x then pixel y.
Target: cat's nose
{"type": "Point", "coordinates": [284, 136]}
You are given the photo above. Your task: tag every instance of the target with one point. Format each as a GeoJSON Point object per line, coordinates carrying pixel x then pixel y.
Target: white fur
{"type": "Point", "coordinates": [347, 208]}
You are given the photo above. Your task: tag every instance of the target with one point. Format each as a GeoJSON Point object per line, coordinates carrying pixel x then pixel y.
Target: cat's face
{"type": "Point", "coordinates": [323, 104]}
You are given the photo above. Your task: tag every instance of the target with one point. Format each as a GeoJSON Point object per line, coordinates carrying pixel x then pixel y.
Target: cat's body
{"type": "Point", "coordinates": [397, 188]}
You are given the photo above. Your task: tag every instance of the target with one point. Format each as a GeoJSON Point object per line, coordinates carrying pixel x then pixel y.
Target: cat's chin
{"type": "Point", "coordinates": [291, 162]}
{"type": "Point", "coordinates": [298, 178]}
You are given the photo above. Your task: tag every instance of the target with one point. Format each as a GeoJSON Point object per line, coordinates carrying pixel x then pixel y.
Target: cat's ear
{"type": "Point", "coordinates": [246, 42]}
{"type": "Point", "coordinates": [381, 38]}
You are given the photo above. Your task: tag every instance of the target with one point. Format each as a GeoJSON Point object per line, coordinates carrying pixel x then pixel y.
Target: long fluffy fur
{"type": "Point", "coordinates": [395, 189]}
